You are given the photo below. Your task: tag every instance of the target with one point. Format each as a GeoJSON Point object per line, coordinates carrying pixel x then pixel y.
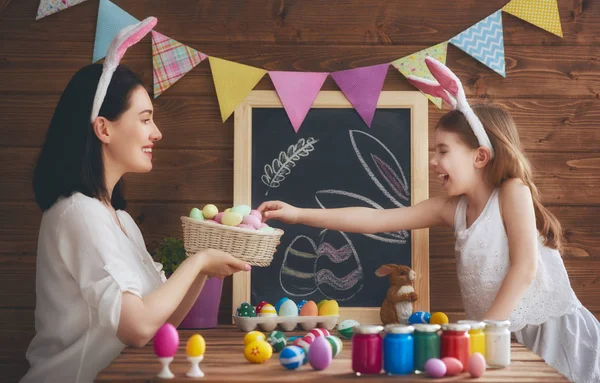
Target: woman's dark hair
{"type": "Point", "coordinates": [71, 157]}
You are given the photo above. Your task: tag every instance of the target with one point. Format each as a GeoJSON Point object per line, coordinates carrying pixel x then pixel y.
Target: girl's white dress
{"type": "Point", "coordinates": [85, 262]}
{"type": "Point", "coordinates": [549, 320]}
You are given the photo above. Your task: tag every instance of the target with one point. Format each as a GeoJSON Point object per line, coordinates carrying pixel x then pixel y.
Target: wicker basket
{"type": "Point", "coordinates": [252, 246]}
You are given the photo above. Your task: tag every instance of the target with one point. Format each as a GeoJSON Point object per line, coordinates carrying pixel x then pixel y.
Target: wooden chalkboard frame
{"type": "Point", "coordinates": [242, 181]}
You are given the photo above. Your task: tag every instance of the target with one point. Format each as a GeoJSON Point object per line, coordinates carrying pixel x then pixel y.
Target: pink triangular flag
{"type": "Point", "coordinates": [362, 87]}
{"type": "Point", "coordinates": [297, 91]}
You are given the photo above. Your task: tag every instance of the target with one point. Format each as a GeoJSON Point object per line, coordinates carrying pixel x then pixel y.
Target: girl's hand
{"type": "Point", "coordinates": [279, 210]}
{"type": "Point", "coordinates": [219, 264]}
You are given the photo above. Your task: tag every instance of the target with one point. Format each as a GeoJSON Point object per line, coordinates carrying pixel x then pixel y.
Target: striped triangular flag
{"type": "Point", "coordinates": [485, 42]}
{"type": "Point", "coordinates": [541, 13]}
{"type": "Point", "coordinates": [233, 82]}
{"type": "Point", "coordinates": [111, 19]}
{"type": "Point", "coordinates": [414, 65]}
{"type": "Point", "coordinates": [49, 7]}
{"type": "Point", "coordinates": [171, 60]}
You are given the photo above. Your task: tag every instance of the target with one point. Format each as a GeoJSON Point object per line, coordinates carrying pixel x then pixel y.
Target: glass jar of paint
{"type": "Point", "coordinates": [427, 344]}
{"type": "Point", "coordinates": [497, 343]}
{"type": "Point", "coordinates": [455, 342]}
{"type": "Point", "coordinates": [476, 335]}
{"type": "Point", "coordinates": [398, 350]}
{"type": "Point", "coordinates": [367, 349]}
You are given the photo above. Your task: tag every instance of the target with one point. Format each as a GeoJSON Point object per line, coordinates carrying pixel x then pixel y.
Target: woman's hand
{"type": "Point", "coordinates": [279, 210]}
{"type": "Point", "coordinates": [219, 264]}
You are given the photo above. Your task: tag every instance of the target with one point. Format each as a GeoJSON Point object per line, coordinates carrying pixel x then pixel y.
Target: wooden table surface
{"type": "Point", "coordinates": [224, 361]}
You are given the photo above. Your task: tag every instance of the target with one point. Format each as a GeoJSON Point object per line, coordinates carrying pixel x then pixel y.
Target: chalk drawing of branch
{"type": "Point", "coordinates": [281, 166]}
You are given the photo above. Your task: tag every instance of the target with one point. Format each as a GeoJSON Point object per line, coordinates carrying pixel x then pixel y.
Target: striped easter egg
{"type": "Point", "coordinates": [336, 345]}
{"type": "Point", "coordinates": [292, 357]}
{"type": "Point", "coordinates": [315, 332]}
{"type": "Point", "coordinates": [303, 343]}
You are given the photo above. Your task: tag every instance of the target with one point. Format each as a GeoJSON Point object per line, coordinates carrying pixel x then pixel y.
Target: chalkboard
{"type": "Point", "coordinates": [335, 160]}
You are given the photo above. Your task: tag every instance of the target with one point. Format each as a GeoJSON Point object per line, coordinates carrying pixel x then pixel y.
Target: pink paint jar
{"type": "Point", "coordinates": [367, 350]}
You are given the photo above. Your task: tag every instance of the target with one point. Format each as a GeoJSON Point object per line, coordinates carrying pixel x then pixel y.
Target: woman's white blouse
{"type": "Point", "coordinates": [85, 262]}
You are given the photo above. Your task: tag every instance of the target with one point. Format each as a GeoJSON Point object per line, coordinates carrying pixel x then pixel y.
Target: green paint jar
{"type": "Point", "coordinates": [427, 344]}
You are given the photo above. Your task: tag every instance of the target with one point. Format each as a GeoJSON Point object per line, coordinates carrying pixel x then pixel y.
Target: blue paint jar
{"type": "Point", "coordinates": [398, 350]}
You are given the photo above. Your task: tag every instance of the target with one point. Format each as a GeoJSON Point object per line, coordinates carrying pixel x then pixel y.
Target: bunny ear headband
{"type": "Point", "coordinates": [127, 37]}
{"type": "Point", "coordinates": [450, 89]}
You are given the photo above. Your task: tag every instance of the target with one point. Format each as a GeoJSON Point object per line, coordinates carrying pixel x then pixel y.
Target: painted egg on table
{"type": "Point", "coordinates": [303, 343]}
{"type": "Point", "coordinates": [258, 352]}
{"type": "Point", "coordinates": [252, 221]}
{"type": "Point", "coordinates": [346, 328]}
{"type": "Point", "coordinates": [279, 303]}
{"type": "Point", "coordinates": [195, 213]}
{"type": "Point", "coordinates": [329, 308]}
{"type": "Point", "coordinates": [260, 306]}
{"type": "Point", "coordinates": [277, 340]}
{"type": "Point", "coordinates": [309, 309]}
{"type": "Point", "coordinates": [438, 318]}
{"type": "Point", "coordinates": [246, 310]}
{"type": "Point", "coordinates": [210, 211]}
{"type": "Point", "coordinates": [476, 365]}
{"type": "Point", "coordinates": [242, 210]}
{"type": "Point", "coordinates": [268, 311]}
{"type": "Point", "coordinates": [315, 332]}
{"type": "Point", "coordinates": [300, 304]}
{"type": "Point", "coordinates": [419, 317]}
{"type": "Point", "coordinates": [196, 346]}
{"type": "Point", "coordinates": [254, 336]}
{"type": "Point", "coordinates": [231, 219]}
{"type": "Point", "coordinates": [166, 341]}
{"type": "Point", "coordinates": [320, 354]}
{"type": "Point", "coordinates": [435, 368]}
{"type": "Point", "coordinates": [453, 366]}
{"type": "Point", "coordinates": [292, 357]}
{"type": "Point", "coordinates": [336, 345]}
{"type": "Point", "coordinates": [288, 309]}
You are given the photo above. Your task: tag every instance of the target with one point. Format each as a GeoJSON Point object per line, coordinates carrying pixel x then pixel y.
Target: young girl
{"type": "Point", "coordinates": [507, 242]}
{"type": "Point", "coordinates": [97, 288]}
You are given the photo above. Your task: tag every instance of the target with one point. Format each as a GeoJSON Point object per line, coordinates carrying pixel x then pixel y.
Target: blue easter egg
{"type": "Point", "coordinates": [278, 305]}
{"type": "Point", "coordinates": [419, 317]}
{"type": "Point", "coordinates": [292, 357]}
{"type": "Point", "coordinates": [300, 304]}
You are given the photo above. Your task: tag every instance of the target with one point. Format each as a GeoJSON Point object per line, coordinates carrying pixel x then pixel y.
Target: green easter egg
{"type": "Point", "coordinates": [346, 328]}
{"type": "Point", "coordinates": [267, 229]}
{"type": "Point", "coordinates": [246, 310]}
{"type": "Point", "coordinates": [244, 210]}
{"type": "Point", "coordinates": [336, 345]}
{"type": "Point", "coordinates": [277, 340]}
{"type": "Point", "coordinates": [195, 213]}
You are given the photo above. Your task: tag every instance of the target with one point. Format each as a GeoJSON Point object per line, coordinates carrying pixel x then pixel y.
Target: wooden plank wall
{"type": "Point", "coordinates": [552, 88]}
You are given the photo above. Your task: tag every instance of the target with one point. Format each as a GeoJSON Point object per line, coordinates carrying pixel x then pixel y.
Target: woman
{"type": "Point", "coordinates": [97, 288]}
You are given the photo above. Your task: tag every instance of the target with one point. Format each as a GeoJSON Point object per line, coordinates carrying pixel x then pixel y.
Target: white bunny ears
{"type": "Point", "coordinates": [450, 89]}
{"type": "Point", "coordinates": [127, 37]}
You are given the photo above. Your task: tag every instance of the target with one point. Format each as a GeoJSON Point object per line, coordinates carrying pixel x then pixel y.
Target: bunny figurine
{"type": "Point", "coordinates": [397, 305]}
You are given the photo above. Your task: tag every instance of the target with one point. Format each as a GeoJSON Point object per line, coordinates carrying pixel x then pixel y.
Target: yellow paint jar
{"type": "Point", "coordinates": [477, 336]}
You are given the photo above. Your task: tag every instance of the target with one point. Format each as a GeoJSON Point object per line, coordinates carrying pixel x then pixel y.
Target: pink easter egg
{"type": "Point", "coordinates": [453, 366]}
{"type": "Point", "coordinates": [476, 365]}
{"type": "Point", "coordinates": [166, 341]}
{"type": "Point", "coordinates": [218, 217]}
{"type": "Point", "coordinates": [246, 226]}
{"type": "Point", "coordinates": [319, 353]}
{"type": "Point", "coordinates": [263, 225]}
{"type": "Point", "coordinates": [257, 214]}
{"type": "Point", "coordinates": [252, 220]}
{"type": "Point", "coordinates": [435, 368]}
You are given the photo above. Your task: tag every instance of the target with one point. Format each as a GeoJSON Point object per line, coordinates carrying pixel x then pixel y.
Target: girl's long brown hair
{"type": "Point", "coordinates": [509, 160]}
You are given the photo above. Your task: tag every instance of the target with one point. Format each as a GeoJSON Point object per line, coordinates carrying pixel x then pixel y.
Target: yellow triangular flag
{"type": "Point", "coordinates": [414, 64]}
{"type": "Point", "coordinates": [541, 13]}
{"type": "Point", "coordinates": [233, 82]}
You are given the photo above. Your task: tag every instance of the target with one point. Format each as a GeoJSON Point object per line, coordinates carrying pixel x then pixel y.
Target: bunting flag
{"type": "Point", "coordinates": [297, 91]}
{"type": "Point", "coordinates": [484, 41]}
{"type": "Point", "coordinates": [233, 82]}
{"type": "Point", "coordinates": [111, 19]}
{"type": "Point", "coordinates": [171, 60]}
{"type": "Point", "coordinates": [414, 64]}
{"type": "Point", "coordinates": [541, 13]}
{"type": "Point", "coordinates": [362, 87]}
{"type": "Point", "coordinates": [48, 7]}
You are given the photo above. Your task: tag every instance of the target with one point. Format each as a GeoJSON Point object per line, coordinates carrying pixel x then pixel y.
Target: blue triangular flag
{"type": "Point", "coordinates": [111, 19]}
{"type": "Point", "coordinates": [485, 42]}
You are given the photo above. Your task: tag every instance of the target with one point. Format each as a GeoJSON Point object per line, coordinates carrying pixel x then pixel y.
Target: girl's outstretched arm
{"type": "Point", "coordinates": [516, 206]}
{"type": "Point", "coordinates": [435, 211]}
